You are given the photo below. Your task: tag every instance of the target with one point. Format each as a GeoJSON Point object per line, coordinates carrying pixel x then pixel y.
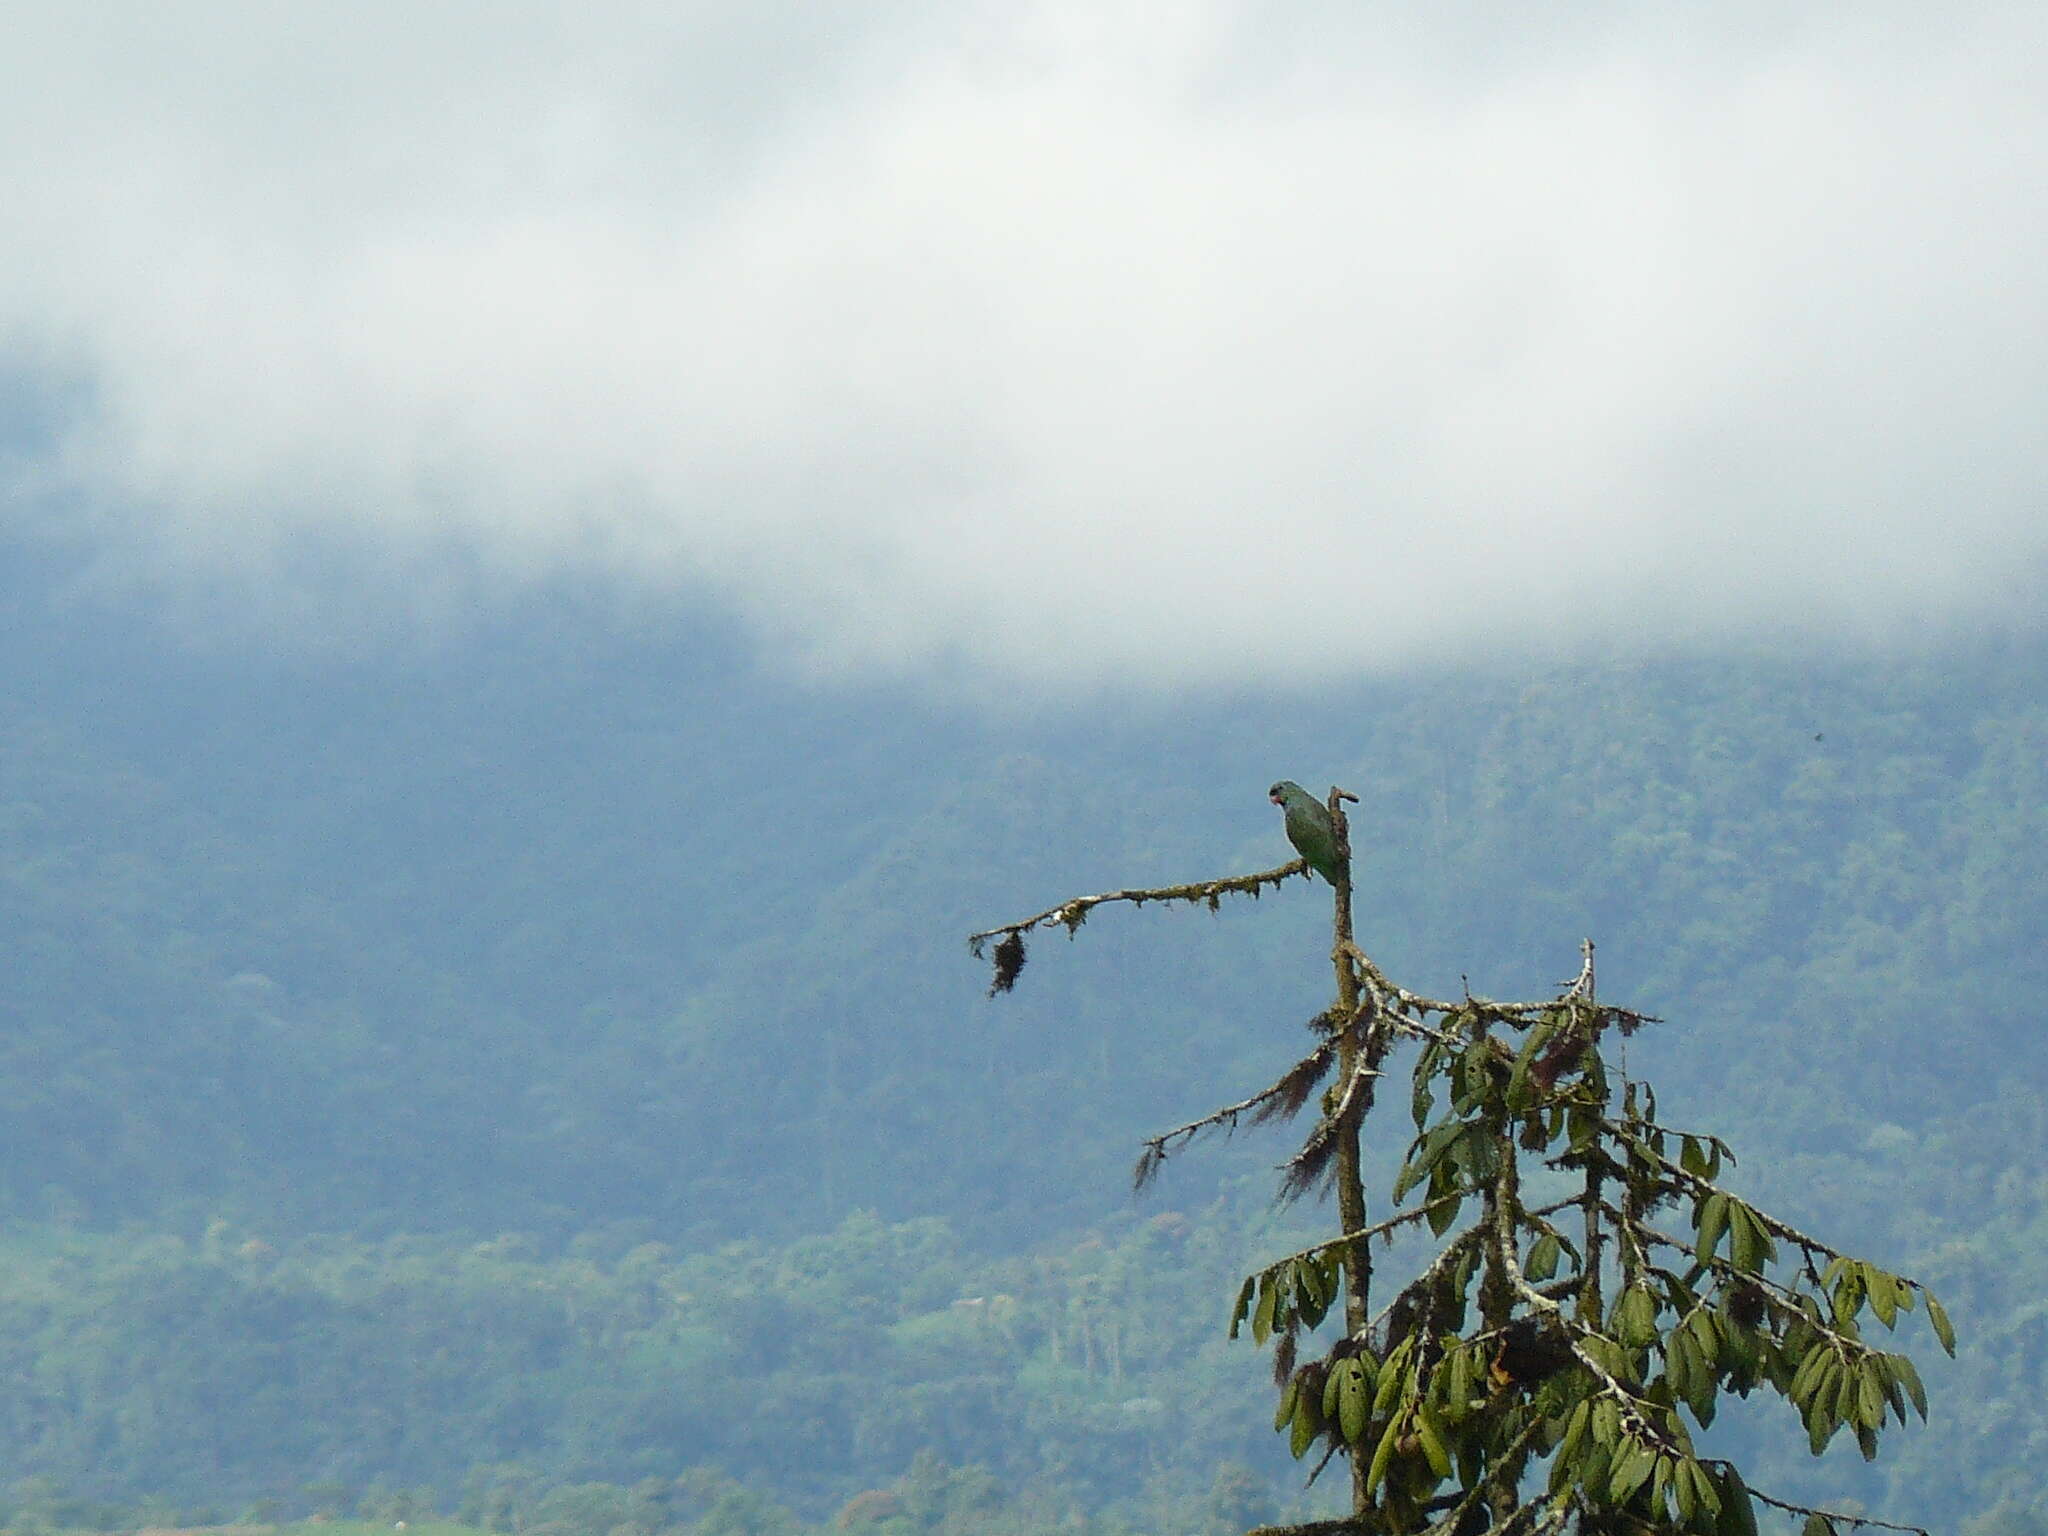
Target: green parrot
{"type": "Point", "coordinates": [1308, 828]}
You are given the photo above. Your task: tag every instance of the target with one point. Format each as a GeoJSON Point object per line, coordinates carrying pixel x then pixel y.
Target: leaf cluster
{"type": "Point", "coordinates": [1547, 1369]}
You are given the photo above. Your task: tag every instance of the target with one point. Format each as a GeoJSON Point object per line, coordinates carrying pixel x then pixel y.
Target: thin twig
{"type": "Point", "coordinates": [1456, 1247]}
{"type": "Point", "coordinates": [1808, 1509]}
{"type": "Point", "coordinates": [1157, 1146]}
{"type": "Point", "coordinates": [1784, 1229]}
{"type": "Point", "coordinates": [1581, 985]}
{"type": "Point", "coordinates": [1074, 909]}
{"type": "Point", "coordinates": [1716, 1263]}
{"type": "Point", "coordinates": [1366, 1234]}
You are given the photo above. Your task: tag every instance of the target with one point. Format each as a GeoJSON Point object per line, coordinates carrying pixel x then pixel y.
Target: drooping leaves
{"type": "Point", "coordinates": [1521, 1340]}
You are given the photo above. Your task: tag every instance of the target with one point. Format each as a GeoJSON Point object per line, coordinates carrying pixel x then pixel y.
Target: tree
{"type": "Point", "coordinates": [1537, 1374]}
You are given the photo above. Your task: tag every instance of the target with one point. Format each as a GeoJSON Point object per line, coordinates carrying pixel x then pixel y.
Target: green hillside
{"type": "Point", "coordinates": [565, 1059]}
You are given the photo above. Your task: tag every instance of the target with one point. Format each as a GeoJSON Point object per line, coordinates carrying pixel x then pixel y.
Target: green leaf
{"type": "Point", "coordinates": [1606, 1423]}
{"type": "Point", "coordinates": [1424, 1099]}
{"type": "Point", "coordinates": [1382, 1455]}
{"type": "Point", "coordinates": [1428, 1149]}
{"type": "Point", "coordinates": [1700, 1385]}
{"type": "Point", "coordinates": [1582, 1125]}
{"type": "Point", "coordinates": [1470, 1077]}
{"type": "Point", "coordinates": [1610, 1356]}
{"type": "Point", "coordinates": [1894, 1387]}
{"type": "Point", "coordinates": [1313, 1291]}
{"type": "Point", "coordinates": [1456, 1375]}
{"type": "Point", "coordinates": [1354, 1403]}
{"type": "Point", "coordinates": [1846, 1386]}
{"type": "Point", "coordinates": [1704, 1494]}
{"type": "Point", "coordinates": [1681, 1362]}
{"type": "Point", "coordinates": [1575, 1430]}
{"type": "Point", "coordinates": [1262, 1314]}
{"type": "Point", "coordinates": [1869, 1395]}
{"type": "Point", "coordinates": [1593, 1072]}
{"type": "Point", "coordinates": [1884, 1295]}
{"type": "Point", "coordinates": [1708, 1337]}
{"type": "Point", "coordinates": [1392, 1378]}
{"type": "Point", "coordinates": [1943, 1330]}
{"type": "Point", "coordinates": [1285, 1410]}
{"type": "Point", "coordinates": [1633, 1464]}
{"type": "Point", "coordinates": [1808, 1376]}
{"type": "Point", "coordinates": [1369, 1368]}
{"type": "Point", "coordinates": [1635, 1317]}
{"type": "Point", "coordinates": [1745, 1239]}
{"type": "Point", "coordinates": [1819, 1405]}
{"type": "Point", "coordinates": [1740, 1347]}
{"type": "Point", "coordinates": [1909, 1377]}
{"type": "Point", "coordinates": [1593, 1468]}
{"type": "Point", "coordinates": [1440, 1217]}
{"type": "Point", "coordinates": [1245, 1293]}
{"type": "Point", "coordinates": [1691, 1158]}
{"type": "Point", "coordinates": [1713, 1221]}
{"type": "Point", "coordinates": [1817, 1525]}
{"type": "Point", "coordinates": [1738, 1511]}
{"type": "Point", "coordinates": [1477, 1158]}
{"type": "Point", "coordinates": [1543, 1256]}
{"type": "Point", "coordinates": [1431, 1436]}
{"type": "Point", "coordinates": [1307, 1278]}
{"type": "Point", "coordinates": [1306, 1428]}
{"type": "Point", "coordinates": [1849, 1290]}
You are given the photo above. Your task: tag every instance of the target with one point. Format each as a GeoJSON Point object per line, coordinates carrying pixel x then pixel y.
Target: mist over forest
{"type": "Point", "coordinates": [550, 1057]}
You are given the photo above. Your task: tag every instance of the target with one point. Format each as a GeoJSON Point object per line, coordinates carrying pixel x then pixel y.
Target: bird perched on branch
{"type": "Point", "coordinates": [1308, 827]}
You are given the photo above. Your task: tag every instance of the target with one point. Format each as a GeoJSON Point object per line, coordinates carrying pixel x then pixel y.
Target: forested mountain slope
{"type": "Point", "coordinates": [559, 931]}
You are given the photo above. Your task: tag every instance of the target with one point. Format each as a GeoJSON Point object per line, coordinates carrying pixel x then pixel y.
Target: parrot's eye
{"type": "Point", "coordinates": [1273, 793]}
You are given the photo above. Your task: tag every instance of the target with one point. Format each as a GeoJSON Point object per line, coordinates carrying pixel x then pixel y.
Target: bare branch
{"type": "Point", "coordinates": [1727, 1152]}
{"type": "Point", "coordinates": [1329, 1454]}
{"type": "Point", "coordinates": [1581, 985]}
{"type": "Point", "coordinates": [1268, 1103]}
{"type": "Point", "coordinates": [1715, 1263]}
{"type": "Point", "coordinates": [1454, 1249]}
{"type": "Point", "coordinates": [1072, 912]}
{"type": "Point", "coordinates": [1366, 1234]}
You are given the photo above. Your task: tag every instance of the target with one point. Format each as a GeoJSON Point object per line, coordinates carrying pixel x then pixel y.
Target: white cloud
{"type": "Point", "coordinates": [1066, 340]}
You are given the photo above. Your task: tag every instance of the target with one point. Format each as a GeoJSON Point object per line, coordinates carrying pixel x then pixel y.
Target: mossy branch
{"type": "Point", "coordinates": [1073, 912]}
{"type": "Point", "coordinates": [1277, 1102]}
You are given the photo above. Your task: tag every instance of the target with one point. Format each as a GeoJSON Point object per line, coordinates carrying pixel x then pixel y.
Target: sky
{"type": "Point", "coordinates": [1049, 343]}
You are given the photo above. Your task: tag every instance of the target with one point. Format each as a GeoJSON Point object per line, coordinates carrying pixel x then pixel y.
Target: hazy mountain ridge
{"type": "Point", "coordinates": [527, 937]}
